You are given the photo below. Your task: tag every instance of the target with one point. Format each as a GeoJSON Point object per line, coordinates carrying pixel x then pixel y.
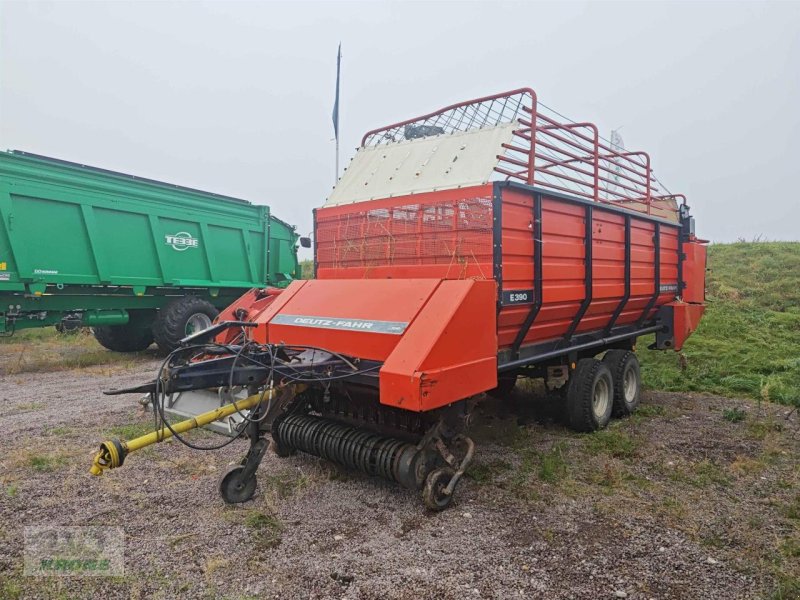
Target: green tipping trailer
{"type": "Point", "coordinates": [136, 259]}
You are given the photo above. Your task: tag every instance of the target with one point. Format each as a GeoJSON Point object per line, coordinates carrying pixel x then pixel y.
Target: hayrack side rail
{"type": "Point", "coordinates": [547, 150]}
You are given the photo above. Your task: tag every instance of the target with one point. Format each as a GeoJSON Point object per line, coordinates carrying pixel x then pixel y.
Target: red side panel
{"type": "Point", "coordinates": [449, 352]}
{"type": "Point", "coordinates": [685, 319]}
{"type": "Point", "coordinates": [355, 317]}
{"type": "Point", "coordinates": [437, 338]}
{"type": "Point", "coordinates": [694, 272]}
{"type": "Point", "coordinates": [563, 231]}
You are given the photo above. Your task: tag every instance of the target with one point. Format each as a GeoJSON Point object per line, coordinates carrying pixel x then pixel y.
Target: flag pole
{"type": "Point", "coordinates": [336, 110]}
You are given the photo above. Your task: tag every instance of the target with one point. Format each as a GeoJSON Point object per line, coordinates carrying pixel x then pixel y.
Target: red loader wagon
{"type": "Point", "coordinates": [460, 250]}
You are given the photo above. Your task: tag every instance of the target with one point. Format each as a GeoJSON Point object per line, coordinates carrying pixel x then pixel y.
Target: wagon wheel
{"type": "Point", "coordinates": [433, 493]}
{"type": "Point", "coordinates": [233, 488]}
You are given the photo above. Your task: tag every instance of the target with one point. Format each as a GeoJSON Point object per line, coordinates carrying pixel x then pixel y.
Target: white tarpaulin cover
{"type": "Point", "coordinates": [422, 165]}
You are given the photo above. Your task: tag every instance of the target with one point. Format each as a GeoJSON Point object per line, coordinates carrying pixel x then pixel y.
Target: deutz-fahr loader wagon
{"type": "Point", "coordinates": [462, 249]}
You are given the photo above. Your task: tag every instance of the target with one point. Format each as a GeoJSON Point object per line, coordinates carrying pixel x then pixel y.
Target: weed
{"type": "Point", "coordinates": [30, 406]}
{"type": "Point", "coordinates": [267, 528]}
{"type": "Point", "coordinates": [733, 415]}
{"type": "Point", "coordinates": [552, 466]}
{"type": "Point", "coordinates": [673, 506]}
{"type": "Point", "coordinates": [792, 510]}
{"type": "Point", "coordinates": [747, 466]}
{"type": "Point", "coordinates": [714, 540]}
{"type": "Point", "coordinates": [287, 484]}
{"type": "Point", "coordinates": [136, 429]}
{"type": "Point", "coordinates": [651, 410]}
{"type": "Point", "coordinates": [609, 477]}
{"type": "Point", "coordinates": [755, 521]}
{"type": "Point", "coordinates": [791, 547]}
{"type": "Point", "coordinates": [11, 490]}
{"type": "Point", "coordinates": [762, 428]}
{"type": "Point", "coordinates": [708, 473]}
{"type": "Point", "coordinates": [611, 442]}
{"type": "Point", "coordinates": [485, 473]}
{"type": "Point", "coordinates": [39, 350]}
{"type": "Point", "coordinates": [788, 588]}
{"type": "Point", "coordinates": [59, 431]}
{"type": "Point", "coordinates": [46, 463]}
{"type": "Point", "coordinates": [9, 588]}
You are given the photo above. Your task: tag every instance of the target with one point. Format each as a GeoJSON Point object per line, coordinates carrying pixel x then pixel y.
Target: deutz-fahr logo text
{"type": "Point", "coordinates": [182, 241]}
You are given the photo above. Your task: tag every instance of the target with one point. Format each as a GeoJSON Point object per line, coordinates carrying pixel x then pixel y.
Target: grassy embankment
{"type": "Point", "coordinates": [748, 343]}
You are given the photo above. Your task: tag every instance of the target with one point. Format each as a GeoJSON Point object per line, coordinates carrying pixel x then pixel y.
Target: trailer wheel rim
{"type": "Point", "coordinates": [601, 398]}
{"type": "Point", "coordinates": [629, 385]}
{"type": "Point", "coordinates": [197, 322]}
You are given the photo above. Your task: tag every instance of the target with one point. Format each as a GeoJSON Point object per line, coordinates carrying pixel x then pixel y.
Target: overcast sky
{"type": "Point", "coordinates": [236, 97]}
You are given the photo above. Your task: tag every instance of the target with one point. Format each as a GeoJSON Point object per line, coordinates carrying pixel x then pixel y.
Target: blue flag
{"type": "Point", "coordinates": [336, 102]}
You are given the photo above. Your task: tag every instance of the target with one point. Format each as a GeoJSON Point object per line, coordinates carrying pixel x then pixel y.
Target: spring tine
{"type": "Point", "coordinates": [348, 446]}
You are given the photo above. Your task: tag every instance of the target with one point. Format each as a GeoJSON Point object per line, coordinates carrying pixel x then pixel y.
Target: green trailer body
{"type": "Point", "coordinates": [94, 247]}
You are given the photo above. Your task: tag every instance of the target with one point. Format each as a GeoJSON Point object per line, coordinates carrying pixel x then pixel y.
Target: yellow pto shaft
{"type": "Point", "coordinates": [113, 452]}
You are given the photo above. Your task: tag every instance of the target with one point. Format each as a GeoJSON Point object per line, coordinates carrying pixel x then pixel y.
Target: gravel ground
{"type": "Point", "coordinates": [675, 503]}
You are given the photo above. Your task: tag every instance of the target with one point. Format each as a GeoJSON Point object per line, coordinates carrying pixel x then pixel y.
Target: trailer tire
{"type": "Point", "coordinates": [627, 378]}
{"type": "Point", "coordinates": [134, 336]}
{"type": "Point", "coordinates": [177, 318]}
{"type": "Point", "coordinates": [590, 396]}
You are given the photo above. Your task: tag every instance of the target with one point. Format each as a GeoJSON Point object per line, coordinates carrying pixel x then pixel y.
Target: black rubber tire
{"type": "Point", "coordinates": [170, 326]}
{"type": "Point", "coordinates": [622, 364]}
{"type": "Point", "coordinates": [505, 385]}
{"type": "Point", "coordinates": [233, 488]}
{"type": "Point", "coordinates": [136, 335]}
{"type": "Point", "coordinates": [435, 482]}
{"type": "Point", "coordinates": [583, 382]}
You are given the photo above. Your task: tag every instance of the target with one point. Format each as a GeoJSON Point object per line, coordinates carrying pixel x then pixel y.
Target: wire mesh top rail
{"type": "Point", "coordinates": [546, 150]}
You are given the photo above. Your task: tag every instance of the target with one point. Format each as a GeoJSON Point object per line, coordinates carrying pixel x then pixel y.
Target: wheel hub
{"type": "Point", "coordinates": [197, 322]}
{"type": "Point", "coordinates": [630, 385]}
{"type": "Point", "coordinates": [601, 399]}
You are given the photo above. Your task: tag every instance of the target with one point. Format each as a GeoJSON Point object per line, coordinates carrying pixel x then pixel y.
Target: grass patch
{"type": "Point", "coordinates": [611, 442]}
{"type": "Point", "coordinates": [701, 475]}
{"type": "Point", "coordinates": [29, 406]}
{"type": "Point", "coordinates": [9, 588]}
{"type": "Point", "coordinates": [44, 350]}
{"type": "Point", "coordinates": [59, 431]}
{"type": "Point", "coordinates": [748, 343]}
{"type": "Point", "coordinates": [761, 428]}
{"type": "Point", "coordinates": [733, 415]}
{"type": "Point", "coordinates": [552, 466]}
{"type": "Point", "coordinates": [486, 473]}
{"type": "Point", "coordinates": [788, 588]}
{"type": "Point", "coordinates": [790, 548]}
{"type": "Point", "coordinates": [792, 510]}
{"type": "Point", "coordinates": [650, 410]}
{"type": "Point", "coordinates": [285, 485]}
{"type": "Point", "coordinates": [267, 528]}
{"type": "Point", "coordinates": [46, 463]}
{"type": "Point", "coordinates": [132, 430]}
{"type": "Point", "coordinates": [707, 473]}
